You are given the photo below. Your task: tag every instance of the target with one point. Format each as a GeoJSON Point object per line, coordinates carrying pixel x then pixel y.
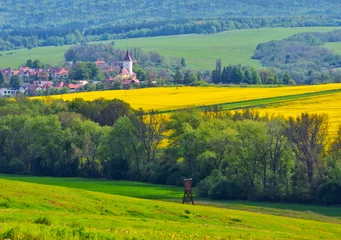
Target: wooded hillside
{"type": "Point", "coordinates": [55, 22]}
{"type": "Point", "coordinates": [93, 12]}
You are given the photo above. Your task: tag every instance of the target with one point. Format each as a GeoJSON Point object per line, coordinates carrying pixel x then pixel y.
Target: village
{"type": "Point", "coordinates": [43, 81]}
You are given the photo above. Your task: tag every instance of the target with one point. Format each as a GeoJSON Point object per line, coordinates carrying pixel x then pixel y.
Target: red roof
{"type": "Point", "coordinates": [75, 86]}
{"type": "Point", "coordinates": [46, 86]}
{"type": "Point", "coordinates": [25, 69]}
{"type": "Point", "coordinates": [130, 81]}
{"type": "Point", "coordinates": [124, 71]}
{"type": "Point", "coordinates": [62, 71]}
{"type": "Point", "coordinates": [100, 62]}
{"type": "Point", "coordinates": [59, 85]}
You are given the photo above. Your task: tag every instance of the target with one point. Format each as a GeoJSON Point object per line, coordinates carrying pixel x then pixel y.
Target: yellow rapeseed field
{"type": "Point", "coordinates": [171, 98]}
{"type": "Point", "coordinates": [329, 104]}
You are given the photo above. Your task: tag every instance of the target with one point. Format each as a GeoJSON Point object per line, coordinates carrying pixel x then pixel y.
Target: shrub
{"type": "Point", "coordinates": [4, 168]}
{"type": "Point", "coordinates": [330, 192]}
{"type": "Point", "coordinates": [219, 190]}
{"type": "Point", "coordinates": [218, 186]}
{"type": "Point", "coordinates": [43, 220]}
{"type": "Point", "coordinates": [292, 82]}
{"type": "Point", "coordinates": [16, 165]}
{"type": "Point", "coordinates": [204, 187]}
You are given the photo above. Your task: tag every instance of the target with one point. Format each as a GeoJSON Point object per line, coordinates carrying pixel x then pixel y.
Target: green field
{"type": "Point", "coordinates": [200, 51]}
{"type": "Point", "coordinates": [335, 46]}
{"type": "Point", "coordinates": [40, 211]}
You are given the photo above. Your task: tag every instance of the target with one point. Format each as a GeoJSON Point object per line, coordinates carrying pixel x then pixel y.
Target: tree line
{"type": "Point", "coordinates": [238, 74]}
{"type": "Point", "coordinates": [303, 56]}
{"type": "Point", "coordinates": [75, 22]}
{"type": "Point", "coordinates": [229, 155]}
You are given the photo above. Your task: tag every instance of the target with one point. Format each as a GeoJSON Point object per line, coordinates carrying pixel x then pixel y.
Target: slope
{"type": "Point", "coordinates": [95, 12]}
{"type": "Point", "coordinates": [200, 51]}
{"type": "Point", "coordinates": [33, 211]}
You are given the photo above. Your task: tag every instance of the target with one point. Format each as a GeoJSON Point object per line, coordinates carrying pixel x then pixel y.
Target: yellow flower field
{"type": "Point", "coordinates": [171, 98]}
{"type": "Point", "coordinates": [329, 104]}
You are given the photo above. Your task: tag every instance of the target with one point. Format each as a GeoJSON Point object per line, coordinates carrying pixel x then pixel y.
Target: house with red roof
{"type": "Point", "coordinates": [74, 87]}
{"type": "Point", "coordinates": [130, 83]}
{"type": "Point", "coordinates": [101, 64]}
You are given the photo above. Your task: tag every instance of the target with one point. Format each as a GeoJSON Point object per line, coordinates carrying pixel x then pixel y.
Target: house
{"type": "Point", "coordinates": [59, 85]}
{"type": "Point", "coordinates": [101, 64]}
{"type": "Point", "coordinates": [74, 87]}
{"type": "Point", "coordinates": [127, 84]}
{"type": "Point", "coordinates": [7, 92]}
{"type": "Point", "coordinates": [58, 73]}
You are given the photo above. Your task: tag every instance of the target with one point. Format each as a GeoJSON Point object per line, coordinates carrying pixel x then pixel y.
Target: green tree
{"type": "Point", "coordinates": [37, 64]}
{"type": "Point", "coordinates": [248, 78]}
{"type": "Point", "coordinates": [134, 141]}
{"type": "Point", "coordinates": [85, 70]}
{"type": "Point", "coordinates": [2, 79]}
{"type": "Point", "coordinates": [15, 82]}
{"type": "Point", "coordinates": [178, 78]}
{"type": "Point", "coordinates": [183, 62]}
{"type": "Point", "coordinates": [237, 75]}
{"type": "Point", "coordinates": [85, 146]}
{"type": "Point", "coordinates": [218, 72]}
{"type": "Point", "coordinates": [308, 135]}
{"type": "Point", "coordinates": [29, 63]}
{"type": "Point", "coordinates": [256, 79]}
{"type": "Point", "coordinates": [141, 74]}
{"type": "Point", "coordinates": [286, 78]}
{"type": "Point", "coordinates": [44, 143]}
{"type": "Point", "coordinates": [187, 77]}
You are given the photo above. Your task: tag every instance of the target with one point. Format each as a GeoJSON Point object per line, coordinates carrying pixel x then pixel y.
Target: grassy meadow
{"type": "Point", "coordinates": [40, 211]}
{"type": "Point", "coordinates": [334, 46]}
{"type": "Point", "coordinates": [200, 51]}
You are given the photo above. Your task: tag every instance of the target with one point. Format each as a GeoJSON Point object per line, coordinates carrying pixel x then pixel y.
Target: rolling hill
{"type": "Point", "coordinates": [200, 51]}
{"type": "Point", "coordinates": [34, 211]}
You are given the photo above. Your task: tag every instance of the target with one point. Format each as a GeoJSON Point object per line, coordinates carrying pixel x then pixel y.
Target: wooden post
{"type": "Point", "coordinates": [188, 197]}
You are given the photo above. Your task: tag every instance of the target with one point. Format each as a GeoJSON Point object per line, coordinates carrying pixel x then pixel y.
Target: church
{"type": "Point", "coordinates": [126, 73]}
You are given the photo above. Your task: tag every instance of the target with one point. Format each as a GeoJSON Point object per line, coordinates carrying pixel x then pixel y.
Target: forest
{"type": "Point", "coordinates": [53, 23]}
{"type": "Point", "coordinates": [303, 56]}
{"type": "Point", "coordinates": [229, 155]}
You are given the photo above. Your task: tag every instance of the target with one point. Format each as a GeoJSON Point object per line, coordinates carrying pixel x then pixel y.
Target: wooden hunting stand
{"type": "Point", "coordinates": [188, 197]}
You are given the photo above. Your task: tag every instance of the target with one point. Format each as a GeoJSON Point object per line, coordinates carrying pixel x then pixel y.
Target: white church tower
{"type": "Point", "coordinates": [128, 63]}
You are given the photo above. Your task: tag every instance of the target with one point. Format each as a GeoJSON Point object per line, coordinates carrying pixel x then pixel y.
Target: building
{"type": "Point", "coordinates": [126, 72]}
{"type": "Point", "coordinates": [7, 92]}
{"type": "Point", "coordinates": [128, 63]}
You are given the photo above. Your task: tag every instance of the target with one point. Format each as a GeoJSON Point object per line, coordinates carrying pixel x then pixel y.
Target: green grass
{"type": "Point", "coordinates": [174, 194]}
{"type": "Point", "coordinates": [36, 211]}
{"type": "Point", "coordinates": [200, 51]}
{"type": "Point", "coordinates": [335, 46]}
{"type": "Point", "coordinates": [14, 58]}
{"type": "Point", "coordinates": [124, 188]}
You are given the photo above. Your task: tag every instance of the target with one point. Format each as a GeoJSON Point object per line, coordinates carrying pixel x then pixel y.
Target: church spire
{"type": "Point", "coordinates": [128, 57]}
{"type": "Point", "coordinates": [128, 63]}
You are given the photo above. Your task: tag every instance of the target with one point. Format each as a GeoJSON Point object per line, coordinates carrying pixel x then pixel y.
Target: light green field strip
{"type": "Point", "coordinates": [200, 51]}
